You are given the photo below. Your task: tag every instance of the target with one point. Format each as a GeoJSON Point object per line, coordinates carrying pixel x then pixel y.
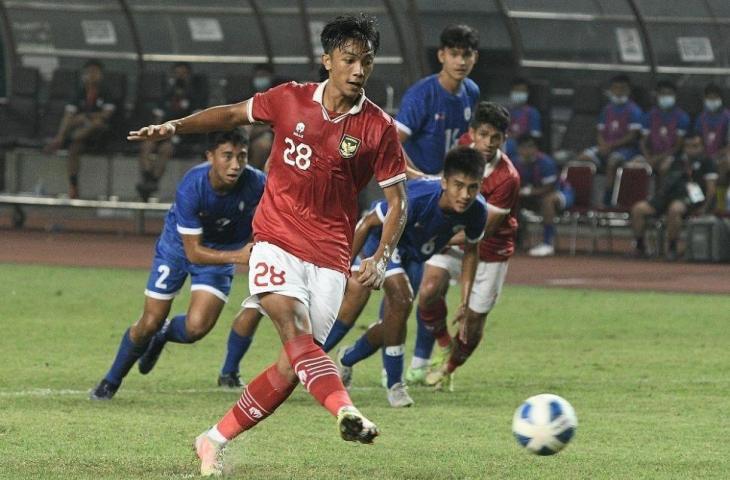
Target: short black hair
{"type": "Point", "coordinates": [621, 78]}
{"type": "Point", "coordinates": [93, 62]}
{"type": "Point", "coordinates": [492, 113]}
{"type": "Point", "coordinates": [343, 29]}
{"type": "Point", "coordinates": [527, 139]}
{"type": "Point", "coordinates": [520, 81]}
{"type": "Point", "coordinates": [236, 136]}
{"type": "Point", "coordinates": [466, 160]}
{"type": "Point", "coordinates": [460, 36]}
{"type": "Point", "coordinates": [711, 88]}
{"type": "Point", "coordinates": [667, 84]}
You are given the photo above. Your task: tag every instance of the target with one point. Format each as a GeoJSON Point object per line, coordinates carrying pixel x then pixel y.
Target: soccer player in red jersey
{"type": "Point", "coordinates": [329, 140]}
{"type": "Point", "coordinates": [500, 187]}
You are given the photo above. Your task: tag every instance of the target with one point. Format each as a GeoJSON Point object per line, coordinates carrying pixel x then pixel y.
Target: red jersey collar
{"type": "Point", "coordinates": [317, 97]}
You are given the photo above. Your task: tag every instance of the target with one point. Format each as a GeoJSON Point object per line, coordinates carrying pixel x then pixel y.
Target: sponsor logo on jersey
{"type": "Point", "coordinates": [349, 146]}
{"type": "Point", "coordinates": [241, 206]}
{"type": "Point", "coordinates": [221, 223]}
{"type": "Point", "coordinates": [467, 113]}
{"type": "Point", "coordinates": [299, 130]}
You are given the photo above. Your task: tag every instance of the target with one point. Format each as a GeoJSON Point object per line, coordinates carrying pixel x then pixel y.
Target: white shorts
{"type": "Point", "coordinates": [273, 270]}
{"type": "Point", "coordinates": [487, 282]}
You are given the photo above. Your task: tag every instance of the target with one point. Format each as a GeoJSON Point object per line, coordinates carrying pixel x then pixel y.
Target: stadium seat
{"type": "Point", "coordinates": [580, 176]}
{"type": "Point", "coordinates": [580, 131]}
{"type": "Point", "coordinates": [631, 186]}
{"type": "Point", "coordinates": [19, 114]}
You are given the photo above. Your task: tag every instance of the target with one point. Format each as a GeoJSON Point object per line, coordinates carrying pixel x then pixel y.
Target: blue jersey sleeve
{"type": "Point", "coordinates": [187, 207]}
{"type": "Point", "coordinates": [698, 124]}
{"type": "Point", "coordinates": [646, 123]}
{"type": "Point", "coordinates": [535, 122]}
{"type": "Point", "coordinates": [548, 170]}
{"type": "Point", "coordinates": [474, 229]}
{"type": "Point", "coordinates": [683, 124]}
{"type": "Point", "coordinates": [413, 111]}
{"type": "Point", "coordinates": [636, 118]}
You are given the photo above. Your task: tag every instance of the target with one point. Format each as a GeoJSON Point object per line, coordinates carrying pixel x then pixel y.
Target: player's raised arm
{"type": "Point", "coordinates": [220, 118]}
{"type": "Point", "coordinates": [372, 270]}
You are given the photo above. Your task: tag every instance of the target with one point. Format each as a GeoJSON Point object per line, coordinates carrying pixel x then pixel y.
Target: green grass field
{"type": "Point", "coordinates": [648, 375]}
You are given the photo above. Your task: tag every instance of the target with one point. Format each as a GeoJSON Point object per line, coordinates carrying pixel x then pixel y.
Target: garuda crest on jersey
{"type": "Point", "coordinates": [349, 146]}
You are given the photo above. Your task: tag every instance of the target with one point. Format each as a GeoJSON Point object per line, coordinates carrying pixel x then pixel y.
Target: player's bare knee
{"type": "Point", "coordinates": [147, 325]}
{"type": "Point", "coordinates": [197, 327]}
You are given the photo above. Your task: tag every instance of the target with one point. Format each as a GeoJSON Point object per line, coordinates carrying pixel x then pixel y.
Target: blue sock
{"type": "Point", "coordinates": [127, 354]}
{"type": "Point", "coordinates": [548, 233]}
{"type": "Point", "coordinates": [360, 351]}
{"type": "Point", "coordinates": [424, 339]}
{"type": "Point", "coordinates": [337, 333]}
{"type": "Point", "coordinates": [175, 331]}
{"type": "Point", "coordinates": [393, 363]}
{"type": "Point", "coordinates": [237, 347]}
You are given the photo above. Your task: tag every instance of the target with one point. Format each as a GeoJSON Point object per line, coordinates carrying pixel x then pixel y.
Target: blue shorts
{"type": "Point", "coordinates": [413, 270]}
{"type": "Point", "coordinates": [168, 274]}
{"type": "Point", "coordinates": [567, 196]}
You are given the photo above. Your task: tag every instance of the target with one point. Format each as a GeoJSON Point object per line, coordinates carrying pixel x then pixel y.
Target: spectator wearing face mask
{"type": "Point", "coordinates": [712, 125]}
{"type": "Point", "coordinates": [619, 126]}
{"type": "Point", "coordinates": [663, 127]}
{"type": "Point", "coordinates": [524, 118]}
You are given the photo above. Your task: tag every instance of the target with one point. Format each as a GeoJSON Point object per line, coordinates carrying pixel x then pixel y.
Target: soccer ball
{"type": "Point", "coordinates": [544, 424]}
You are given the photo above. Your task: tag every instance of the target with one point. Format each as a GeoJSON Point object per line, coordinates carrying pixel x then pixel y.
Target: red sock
{"type": "Point", "coordinates": [259, 400]}
{"type": "Point", "coordinates": [317, 373]}
{"type": "Point", "coordinates": [433, 318]}
{"type": "Point", "coordinates": [443, 339]}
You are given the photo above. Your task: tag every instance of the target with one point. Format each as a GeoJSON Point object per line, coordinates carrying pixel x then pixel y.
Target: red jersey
{"type": "Point", "coordinates": [319, 162]}
{"type": "Point", "coordinates": [501, 189]}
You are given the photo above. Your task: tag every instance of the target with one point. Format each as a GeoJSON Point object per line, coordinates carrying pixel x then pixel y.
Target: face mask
{"type": "Point", "coordinates": [618, 100]}
{"type": "Point", "coordinates": [518, 98]}
{"type": "Point", "coordinates": [261, 83]}
{"type": "Point", "coordinates": [665, 101]}
{"type": "Point", "coordinates": [713, 105]}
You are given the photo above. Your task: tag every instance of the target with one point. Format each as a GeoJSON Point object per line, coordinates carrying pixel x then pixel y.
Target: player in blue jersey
{"type": "Point", "coordinates": [663, 127]}
{"type": "Point", "coordinates": [524, 118]}
{"type": "Point", "coordinates": [436, 111]}
{"type": "Point", "coordinates": [542, 190]}
{"type": "Point", "coordinates": [437, 210]}
{"type": "Point", "coordinates": [618, 128]}
{"type": "Point", "coordinates": [204, 236]}
{"type": "Point", "coordinates": [433, 114]}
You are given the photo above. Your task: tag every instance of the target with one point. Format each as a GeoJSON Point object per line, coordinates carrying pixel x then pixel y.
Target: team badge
{"type": "Point", "coordinates": [349, 146]}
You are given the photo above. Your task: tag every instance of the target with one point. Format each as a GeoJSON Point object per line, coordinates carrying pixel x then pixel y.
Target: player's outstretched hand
{"type": "Point", "coordinates": [372, 273]}
{"type": "Point", "coordinates": [152, 132]}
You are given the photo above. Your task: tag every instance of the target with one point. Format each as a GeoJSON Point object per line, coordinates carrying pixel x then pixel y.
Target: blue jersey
{"type": "Point", "coordinates": [663, 128]}
{"type": "Point", "coordinates": [616, 121]}
{"type": "Point", "coordinates": [543, 171]}
{"type": "Point", "coordinates": [434, 119]}
{"type": "Point", "coordinates": [224, 220]}
{"type": "Point", "coordinates": [429, 228]}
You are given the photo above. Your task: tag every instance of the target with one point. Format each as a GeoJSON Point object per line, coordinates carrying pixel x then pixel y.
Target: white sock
{"type": "Point", "coordinates": [216, 436]}
{"type": "Point", "coordinates": [418, 362]}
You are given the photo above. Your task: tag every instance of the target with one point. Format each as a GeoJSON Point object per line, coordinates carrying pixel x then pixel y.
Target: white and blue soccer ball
{"type": "Point", "coordinates": [544, 424]}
